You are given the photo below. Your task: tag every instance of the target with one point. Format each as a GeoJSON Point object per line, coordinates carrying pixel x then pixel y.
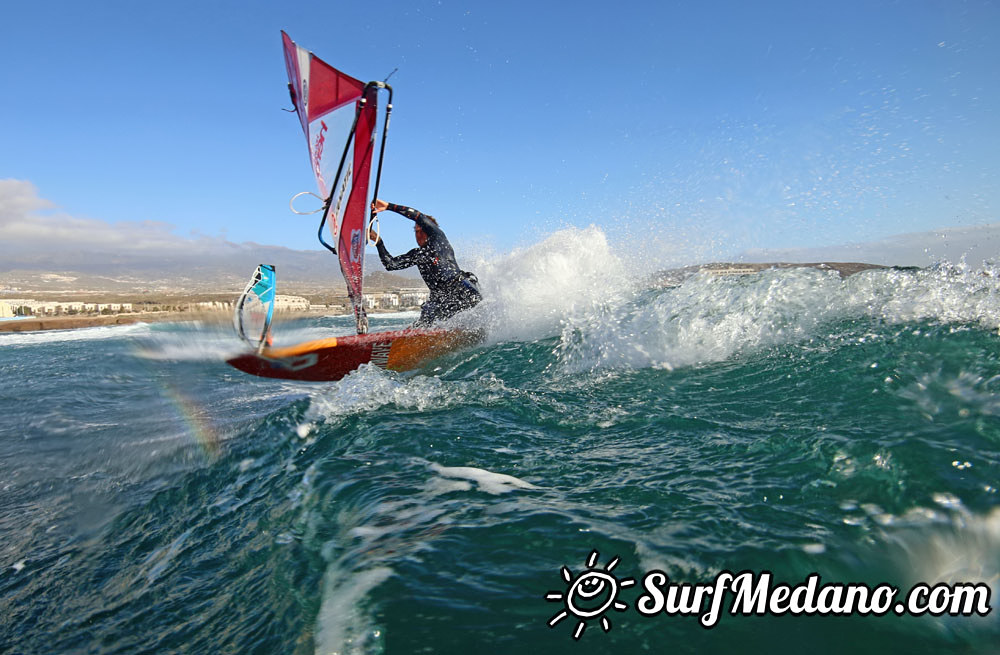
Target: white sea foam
{"type": "Point", "coordinates": [343, 626]}
{"type": "Point", "coordinates": [370, 387]}
{"type": "Point", "coordinates": [488, 481]}
{"type": "Point", "coordinates": [710, 318]}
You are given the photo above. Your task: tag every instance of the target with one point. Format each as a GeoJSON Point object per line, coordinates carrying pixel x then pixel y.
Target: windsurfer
{"type": "Point", "coordinates": [452, 289]}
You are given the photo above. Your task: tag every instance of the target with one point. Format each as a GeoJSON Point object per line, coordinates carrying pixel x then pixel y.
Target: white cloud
{"type": "Point", "coordinates": [17, 199]}
{"type": "Point", "coordinates": [30, 225]}
{"type": "Point", "coordinates": [35, 235]}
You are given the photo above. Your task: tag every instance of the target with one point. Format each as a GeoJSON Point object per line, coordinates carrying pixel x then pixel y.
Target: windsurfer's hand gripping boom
{"type": "Point", "coordinates": [377, 206]}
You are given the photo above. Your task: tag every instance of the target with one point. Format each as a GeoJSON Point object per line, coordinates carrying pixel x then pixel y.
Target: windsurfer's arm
{"type": "Point", "coordinates": [391, 263]}
{"type": "Point", "coordinates": [409, 212]}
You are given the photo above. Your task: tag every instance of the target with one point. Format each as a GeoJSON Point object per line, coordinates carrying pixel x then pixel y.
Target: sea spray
{"type": "Point", "coordinates": [529, 293]}
{"type": "Point", "coordinates": [711, 318]}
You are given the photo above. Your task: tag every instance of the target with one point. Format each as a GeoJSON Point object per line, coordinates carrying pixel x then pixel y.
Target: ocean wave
{"type": "Point", "coordinates": [710, 318]}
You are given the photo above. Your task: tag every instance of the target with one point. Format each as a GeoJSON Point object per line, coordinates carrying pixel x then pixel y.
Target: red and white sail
{"type": "Point", "coordinates": [328, 102]}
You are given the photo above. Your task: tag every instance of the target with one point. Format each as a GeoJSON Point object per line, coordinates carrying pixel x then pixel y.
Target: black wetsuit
{"type": "Point", "coordinates": [452, 289]}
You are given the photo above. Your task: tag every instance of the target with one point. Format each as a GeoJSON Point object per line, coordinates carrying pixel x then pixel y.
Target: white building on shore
{"type": "Point", "coordinates": [413, 296]}
{"type": "Point", "coordinates": [291, 304]}
{"type": "Point", "coordinates": [63, 307]}
{"type": "Point", "coordinates": [407, 297]}
{"type": "Point", "coordinates": [386, 300]}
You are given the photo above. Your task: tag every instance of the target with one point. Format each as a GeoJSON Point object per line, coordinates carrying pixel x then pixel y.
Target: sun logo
{"type": "Point", "coordinates": [589, 595]}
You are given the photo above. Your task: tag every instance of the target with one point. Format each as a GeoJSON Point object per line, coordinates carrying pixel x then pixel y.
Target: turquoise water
{"type": "Point", "coordinates": [155, 500]}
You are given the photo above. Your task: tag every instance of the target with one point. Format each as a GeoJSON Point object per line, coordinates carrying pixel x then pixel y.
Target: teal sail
{"type": "Point", "coordinates": [255, 308]}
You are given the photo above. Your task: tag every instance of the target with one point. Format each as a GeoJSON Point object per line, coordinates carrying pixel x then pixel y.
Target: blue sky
{"type": "Point", "coordinates": [726, 126]}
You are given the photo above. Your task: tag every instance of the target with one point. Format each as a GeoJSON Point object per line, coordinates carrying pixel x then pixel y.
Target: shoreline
{"type": "Point", "coordinates": [37, 324]}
